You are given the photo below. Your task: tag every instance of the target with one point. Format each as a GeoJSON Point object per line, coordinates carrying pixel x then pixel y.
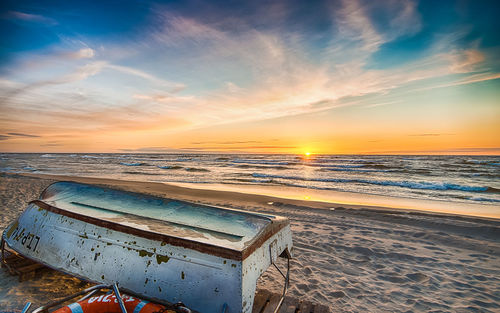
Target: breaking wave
{"type": "Point", "coordinates": [194, 169]}
{"type": "Point", "coordinates": [262, 162]}
{"type": "Point", "coordinates": [170, 167]}
{"type": "Point", "coordinates": [403, 184]}
{"type": "Point", "coordinates": [133, 164]}
{"type": "Point", "coordinates": [140, 173]}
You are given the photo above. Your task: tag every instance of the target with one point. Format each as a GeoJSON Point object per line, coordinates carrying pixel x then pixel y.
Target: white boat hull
{"type": "Point", "coordinates": [144, 263]}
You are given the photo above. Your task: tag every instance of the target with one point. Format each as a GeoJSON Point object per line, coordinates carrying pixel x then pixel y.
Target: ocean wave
{"type": "Point", "coordinates": [134, 164]}
{"type": "Point", "coordinates": [417, 171]}
{"type": "Point", "coordinates": [140, 173]}
{"type": "Point", "coordinates": [492, 190]}
{"type": "Point", "coordinates": [262, 162]}
{"type": "Point", "coordinates": [367, 165]}
{"type": "Point", "coordinates": [378, 166]}
{"type": "Point", "coordinates": [483, 199]}
{"type": "Point", "coordinates": [262, 181]}
{"type": "Point", "coordinates": [403, 184]}
{"type": "Point", "coordinates": [48, 155]}
{"type": "Point", "coordinates": [361, 170]}
{"type": "Point", "coordinates": [170, 167]}
{"type": "Point", "coordinates": [86, 156]}
{"type": "Point", "coordinates": [194, 169]}
{"type": "Point", "coordinates": [334, 160]}
{"type": "Point", "coordinates": [481, 162]}
{"type": "Point", "coordinates": [335, 165]}
{"type": "Point", "coordinates": [479, 199]}
{"type": "Point", "coordinates": [279, 167]}
{"type": "Point", "coordinates": [485, 175]}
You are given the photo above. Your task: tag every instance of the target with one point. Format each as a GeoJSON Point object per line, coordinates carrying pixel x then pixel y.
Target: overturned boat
{"type": "Point", "coordinates": [160, 249]}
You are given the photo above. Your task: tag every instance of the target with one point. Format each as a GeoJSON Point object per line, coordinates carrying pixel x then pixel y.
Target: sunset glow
{"type": "Point", "coordinates": [337, 77]}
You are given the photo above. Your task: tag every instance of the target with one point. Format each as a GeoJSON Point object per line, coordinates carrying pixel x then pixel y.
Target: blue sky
{"type": "Point", "coordinates": [77, 75]}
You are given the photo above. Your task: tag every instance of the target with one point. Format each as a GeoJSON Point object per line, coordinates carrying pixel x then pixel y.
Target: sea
{"type": "Point", "coordinates": [466, 179]}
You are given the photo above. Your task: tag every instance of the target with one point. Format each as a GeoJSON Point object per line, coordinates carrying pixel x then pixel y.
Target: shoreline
{"type": "Point", "coordinates": [296, 196]}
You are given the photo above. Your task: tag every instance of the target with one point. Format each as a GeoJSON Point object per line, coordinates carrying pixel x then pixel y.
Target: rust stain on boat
{"type": "Point", "coordinates": [162, 258]}
{"type": "Point", "coordinates": [144, 253]}
{"type": "Point", "coordinates": [12, 228]}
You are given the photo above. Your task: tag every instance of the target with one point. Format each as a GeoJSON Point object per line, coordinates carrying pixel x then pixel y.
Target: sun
{"type": "Point", "coordinates": [307, 153]}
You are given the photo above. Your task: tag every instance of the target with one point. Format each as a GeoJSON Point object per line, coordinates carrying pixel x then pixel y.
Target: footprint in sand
{"type": "Point", "coordinates": [418, 277]}
{"type": "Point", "coordinates": [479, 256]}
{"type": "Point", "coordinates": [337, 294]}
{"type": "Point", "coordinates": [307, 270]}
{"type": "Point", "coordinates": [398, 245]}
{"type": "Point", "coordinates": [434, 248]}
{"type": "Point", "coordinates": [419, 234]}
{"type": "Point", "coordinates": [480, 277]}
{"type": "Point", "coordinates": [392, 278]}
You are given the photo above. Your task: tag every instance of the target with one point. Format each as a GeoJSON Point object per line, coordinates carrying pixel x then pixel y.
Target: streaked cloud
{"type": "Point", "coordinates": [22, 135]}
{"type": "Point", "coordinates": [482, 150]}
{"type": "Point", "coordinates": [240, 148]}
{"type": "Point", "coordinates": [226, 142]}
{"type": "Point", "coordinates": [17, 135]}
{"type": "Point", "coordinates": [156, 150]}
{"type": "Point", "coordinates": [83, 53]}
{"type": "Point", "coordinates": [28, 17]}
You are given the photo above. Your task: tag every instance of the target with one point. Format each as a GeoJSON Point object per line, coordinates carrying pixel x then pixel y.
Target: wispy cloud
{"type": "Point", "coordinates": [241, 148]}
{"type": "Point", "coordinates": [29, 17]}
{"type": "Point", "coordinates": [152, 150]}
{"type": "Point", "coordinates": [17, 135]}
{"type": "Point", "coordinates": [225, 142]}
{"type": "Point", "coordinates": [175, 87]}
{"type": "Point", "coordinates": [355, 25]}
{"type": "Point", "coordinates": [480, 150]}
{"type": "Point", "coordinates": [22, 135]}
{"type": "Point", "coordinates": [83, 53]}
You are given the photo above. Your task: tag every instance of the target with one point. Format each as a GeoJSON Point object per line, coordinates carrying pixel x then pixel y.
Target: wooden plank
{"type": "Point", "coordinates": [29, 268]}
{"type": "Point", "coordinates": [19, 265]}
{"type": "Point", "coordinates": [273, 302]}
{"type": "Point", "coordinates": [261, 300]}
{"type": "Point", "coordinates": [266, 302]}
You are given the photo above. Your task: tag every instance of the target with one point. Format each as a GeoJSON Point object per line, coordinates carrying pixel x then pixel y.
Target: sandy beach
{"type": "Point", "coordinates": [350, 257]}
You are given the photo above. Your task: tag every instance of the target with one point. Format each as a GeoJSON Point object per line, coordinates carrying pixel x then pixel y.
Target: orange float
{"type": "Point", "coordinates": [109, 304]}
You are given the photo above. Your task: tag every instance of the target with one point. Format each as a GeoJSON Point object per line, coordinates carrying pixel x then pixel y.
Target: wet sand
{"type": "Point", "coordinates": [353, 258]}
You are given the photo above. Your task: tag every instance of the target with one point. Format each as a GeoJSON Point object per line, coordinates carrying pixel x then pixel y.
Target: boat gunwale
{"type": "Point", "coordinates": [238, 255]}
{"type": "Point", "coordinates": [134, 193]}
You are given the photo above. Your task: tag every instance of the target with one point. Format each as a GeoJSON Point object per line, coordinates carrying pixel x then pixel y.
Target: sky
{"type": "Point", "coordinates": [325, 77]}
